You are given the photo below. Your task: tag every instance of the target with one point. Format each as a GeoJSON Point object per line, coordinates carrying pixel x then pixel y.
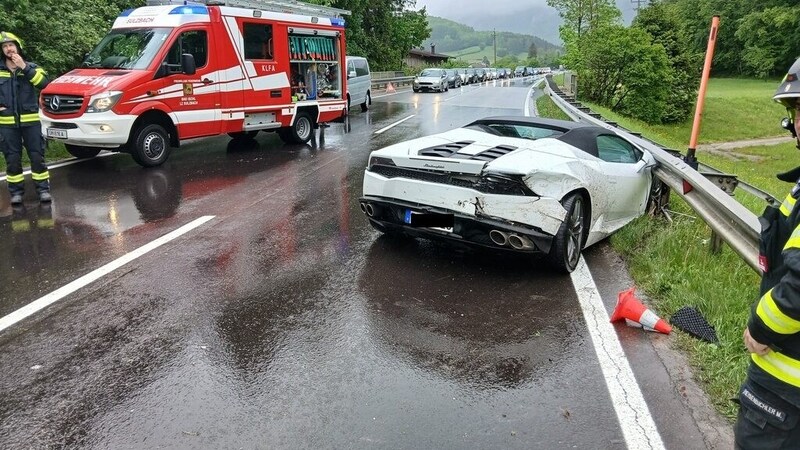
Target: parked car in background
{"type": "Point", "coordinates": [521, 184]}
{"type": "Point", "coordinates": [430, 80]}
{"type": "Point", "coordinates": [453, 78]}
{"type": "Point", "coordinates": [472, 75]}
{"type": "Point", "coordinates": [520, 71]}
{"type": "Point", "coordinates": [359, 82]}
{"type": "Point", "coordinates": [481, 75]}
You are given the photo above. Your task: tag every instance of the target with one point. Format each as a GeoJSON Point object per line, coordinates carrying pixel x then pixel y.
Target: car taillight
{"type": "Point", "coordinates": [377, 160]}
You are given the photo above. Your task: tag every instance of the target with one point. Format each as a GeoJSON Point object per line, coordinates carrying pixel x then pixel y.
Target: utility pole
{"type": "Point", "coordinates": [494, 38]}
{"type": "Point", "coordinates": [638, 4]}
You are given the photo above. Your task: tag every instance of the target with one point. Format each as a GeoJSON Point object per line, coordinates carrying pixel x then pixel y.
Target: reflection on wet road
{"type": "Point", "coordinates": [286, 321]}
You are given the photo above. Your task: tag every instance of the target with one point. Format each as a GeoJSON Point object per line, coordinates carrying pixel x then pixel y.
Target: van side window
{"type": "Point", "coordinates": [257, 41]}
{"type": "Point", "coordinates": [361, 67]}
{"type": "Point", "coordinates": [194, 42]}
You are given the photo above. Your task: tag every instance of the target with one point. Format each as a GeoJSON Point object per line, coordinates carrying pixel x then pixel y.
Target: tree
{"type": "Point", "coordinates": [48, 31]}
{"type": "Point", "coordinates": [685, 63]}
{"type": "Point", "coordinates": [581, 16]}
{"type": "Point", "coordinates": [532, 50]}
{"type": "Point", "coordinates": [623, 70]}
{"type": "Point", "coordinates": [771, 38]}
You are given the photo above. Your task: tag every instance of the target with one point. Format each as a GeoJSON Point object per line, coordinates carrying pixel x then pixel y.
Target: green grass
{"type": "Point", "coordinates": [671, 262]}
{"type": "Point", "coordinates": [475, 53]}
{"type": "Point", "coordinates": [546, 108]}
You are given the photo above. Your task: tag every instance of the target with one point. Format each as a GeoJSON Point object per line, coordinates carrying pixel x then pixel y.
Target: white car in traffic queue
{"type": "Point", "coordinates": [430, 80]}
{"type": "Point", "coordinates": [520, 184]}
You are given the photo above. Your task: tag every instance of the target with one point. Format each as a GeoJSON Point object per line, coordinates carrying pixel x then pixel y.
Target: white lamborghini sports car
{"type": "Point", "coordinates": [523, 184]}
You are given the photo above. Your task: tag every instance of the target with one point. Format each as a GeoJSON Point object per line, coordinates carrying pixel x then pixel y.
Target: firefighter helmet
{"type": "Point", "coordinates": [6, 36]}
{"type": "Point", "coordinates": [789, 89]}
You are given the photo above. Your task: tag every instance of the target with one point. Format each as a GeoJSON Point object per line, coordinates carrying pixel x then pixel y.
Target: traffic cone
{"type": "Point", "coordinates": [390, 88]}
{"type": "Point", "coordinates": [629, 307]}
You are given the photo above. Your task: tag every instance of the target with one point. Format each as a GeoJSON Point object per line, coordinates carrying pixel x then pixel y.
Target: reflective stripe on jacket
{"type": "Point", "coordinates": [19, 94]}
{"type": "Point", "coordinates": [775, 319]}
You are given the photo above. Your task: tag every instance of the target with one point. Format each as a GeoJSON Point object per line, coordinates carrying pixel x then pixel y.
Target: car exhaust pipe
{"type": "Point", "coordinates": [520, 242]}
{"type": "Point", "coordinates": [363, 207]}
{"type": "Point", "coordinates": [372, 210]}
{"type": "Point", "coordinates": [499, 237]}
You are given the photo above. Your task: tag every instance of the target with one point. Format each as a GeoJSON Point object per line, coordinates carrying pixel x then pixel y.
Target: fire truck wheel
{"type": "Point", "coordinates": [300, 132]}
{"type": "Point", "coordinates": [243, 134]}
{"type": "Point", "coordinates": [151, 145]}
{"type": "Point", "coordinates": [80, 151]}
{"type": "Point", "coordinates": [367, 102]}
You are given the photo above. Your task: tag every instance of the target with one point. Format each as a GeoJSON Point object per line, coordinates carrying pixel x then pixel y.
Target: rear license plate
{"type": "Point", "coordinates": [428, 219]}
{"type": "Point", "coordinates": [56, 133]}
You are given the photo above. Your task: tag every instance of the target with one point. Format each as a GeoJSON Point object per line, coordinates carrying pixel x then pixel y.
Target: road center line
{"type": "Point", "coordinates": [634, 417]}
{"type": "Point", "coordinates": [58, 294]}
{"type": "Point", "coordinates": [394, 124]}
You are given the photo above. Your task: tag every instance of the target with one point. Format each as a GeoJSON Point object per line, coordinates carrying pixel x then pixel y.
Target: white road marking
{"type": "Point", "coordinates": [69, 162]}
{"type": "Point", "coordinates": [58, 294]}
{"type": "Point", "coordinates": [634, 417]}
{"type": "Point", "coordinates": [394, 124]}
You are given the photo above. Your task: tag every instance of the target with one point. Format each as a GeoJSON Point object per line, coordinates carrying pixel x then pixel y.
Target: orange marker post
{"type": "Point", "coordinates": [701, 95]}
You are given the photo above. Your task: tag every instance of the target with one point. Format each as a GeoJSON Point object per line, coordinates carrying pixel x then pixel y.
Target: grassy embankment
{"type": "Point", "coordinates": [476, 54]}
{"type": "Point", "coordinates": [671, 262]}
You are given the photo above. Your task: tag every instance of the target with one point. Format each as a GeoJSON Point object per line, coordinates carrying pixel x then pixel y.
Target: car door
{"type": "Point", "coordinates": [193, 99]}
{"type": "Point", "coordinates": [627, 175]}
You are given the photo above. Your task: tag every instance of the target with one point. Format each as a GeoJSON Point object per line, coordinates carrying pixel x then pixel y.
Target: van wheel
{"type": "Point", "coordinates": [243, 134]}
{"type": "Point", "coordinates": [150, 145]}
{"type": "Point", "coordinates": [347, 111]}
{"type": "Point", "coordinates": [300, 131]}
{"type": "Point", "coordinates": [367, 102]}
{"type": "Point", "coordinates": [80, 151]}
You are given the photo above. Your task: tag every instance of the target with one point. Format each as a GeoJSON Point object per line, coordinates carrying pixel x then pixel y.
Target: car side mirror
{"type": "Point", "coordinates": [351, 74]}
{"type": "Point", "coordinates": [187, 64]}
{"type": "Point", "coordinates": [644, 163]}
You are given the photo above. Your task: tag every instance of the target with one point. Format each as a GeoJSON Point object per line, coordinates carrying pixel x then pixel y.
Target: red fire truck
{"type": "Point", "coordinates": [173, 70]}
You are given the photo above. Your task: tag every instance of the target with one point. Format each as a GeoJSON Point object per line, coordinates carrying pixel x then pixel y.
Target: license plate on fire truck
{"type": "Point", "coordinates": [56, 133]}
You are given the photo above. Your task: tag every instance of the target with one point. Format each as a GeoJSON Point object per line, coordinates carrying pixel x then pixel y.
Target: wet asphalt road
{"type": "Point", "coordinates": [286, 321]}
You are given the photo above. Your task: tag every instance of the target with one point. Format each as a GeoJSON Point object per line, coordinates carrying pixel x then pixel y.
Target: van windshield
{"type": "Point", "coordinates": [130, 48]}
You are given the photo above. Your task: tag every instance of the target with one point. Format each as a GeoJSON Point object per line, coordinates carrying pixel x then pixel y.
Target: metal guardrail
{"type": "Point", "coordinates": [734, 223]}
{"type": "Point", "coordinates": [382, 83]}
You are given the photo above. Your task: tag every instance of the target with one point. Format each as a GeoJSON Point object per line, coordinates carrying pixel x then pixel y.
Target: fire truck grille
{"type": "Point", "coordinates": [62, 104]}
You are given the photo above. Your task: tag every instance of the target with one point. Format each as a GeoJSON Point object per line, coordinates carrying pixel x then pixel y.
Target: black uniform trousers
{"type": "Point", "coordinates": [13, 139]}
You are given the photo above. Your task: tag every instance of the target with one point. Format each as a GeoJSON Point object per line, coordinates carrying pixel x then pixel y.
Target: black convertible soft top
{"type": "Point", "coordinates": [577, 134]}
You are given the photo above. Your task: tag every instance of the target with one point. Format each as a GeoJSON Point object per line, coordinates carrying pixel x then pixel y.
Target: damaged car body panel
{"type": "Point", "coordinates": [523, 184]}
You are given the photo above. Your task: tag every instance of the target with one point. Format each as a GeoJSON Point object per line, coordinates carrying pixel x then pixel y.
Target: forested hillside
{"type": "Point", "coordinates": [451, 37]}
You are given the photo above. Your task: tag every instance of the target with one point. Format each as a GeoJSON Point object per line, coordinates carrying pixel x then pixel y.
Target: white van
{"type": "Point", "coordinates": [359, 82]}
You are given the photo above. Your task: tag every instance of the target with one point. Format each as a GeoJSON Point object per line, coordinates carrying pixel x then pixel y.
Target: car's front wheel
{"type": "Point", "coordinates": [367, 102]}
{"type": "Point", "coordinates": [565, 251]}
{"type": "Point", "coordinates": [150, 145]}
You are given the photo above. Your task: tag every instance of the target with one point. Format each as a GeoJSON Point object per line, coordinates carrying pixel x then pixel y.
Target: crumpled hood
{"type": "Point", "coordinates": [89, 82]}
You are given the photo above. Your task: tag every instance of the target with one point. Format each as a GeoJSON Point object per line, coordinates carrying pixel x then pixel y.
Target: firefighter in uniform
{"type": "Point", "coordinates": [770, 396]}
{"type": "Point", "coordinates": [20, 81]}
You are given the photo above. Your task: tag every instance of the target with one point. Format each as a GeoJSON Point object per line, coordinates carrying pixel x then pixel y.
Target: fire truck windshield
{"type": "Point", "coordinates": [128, 48]}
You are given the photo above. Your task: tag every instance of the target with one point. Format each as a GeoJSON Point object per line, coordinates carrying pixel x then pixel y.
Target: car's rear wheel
{"type": "Point", "coordinates": [565, 251]}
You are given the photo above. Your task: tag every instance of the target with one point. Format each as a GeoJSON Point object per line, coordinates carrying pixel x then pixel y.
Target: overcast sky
{"type": "Point", "coordinates": [519, 16]}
